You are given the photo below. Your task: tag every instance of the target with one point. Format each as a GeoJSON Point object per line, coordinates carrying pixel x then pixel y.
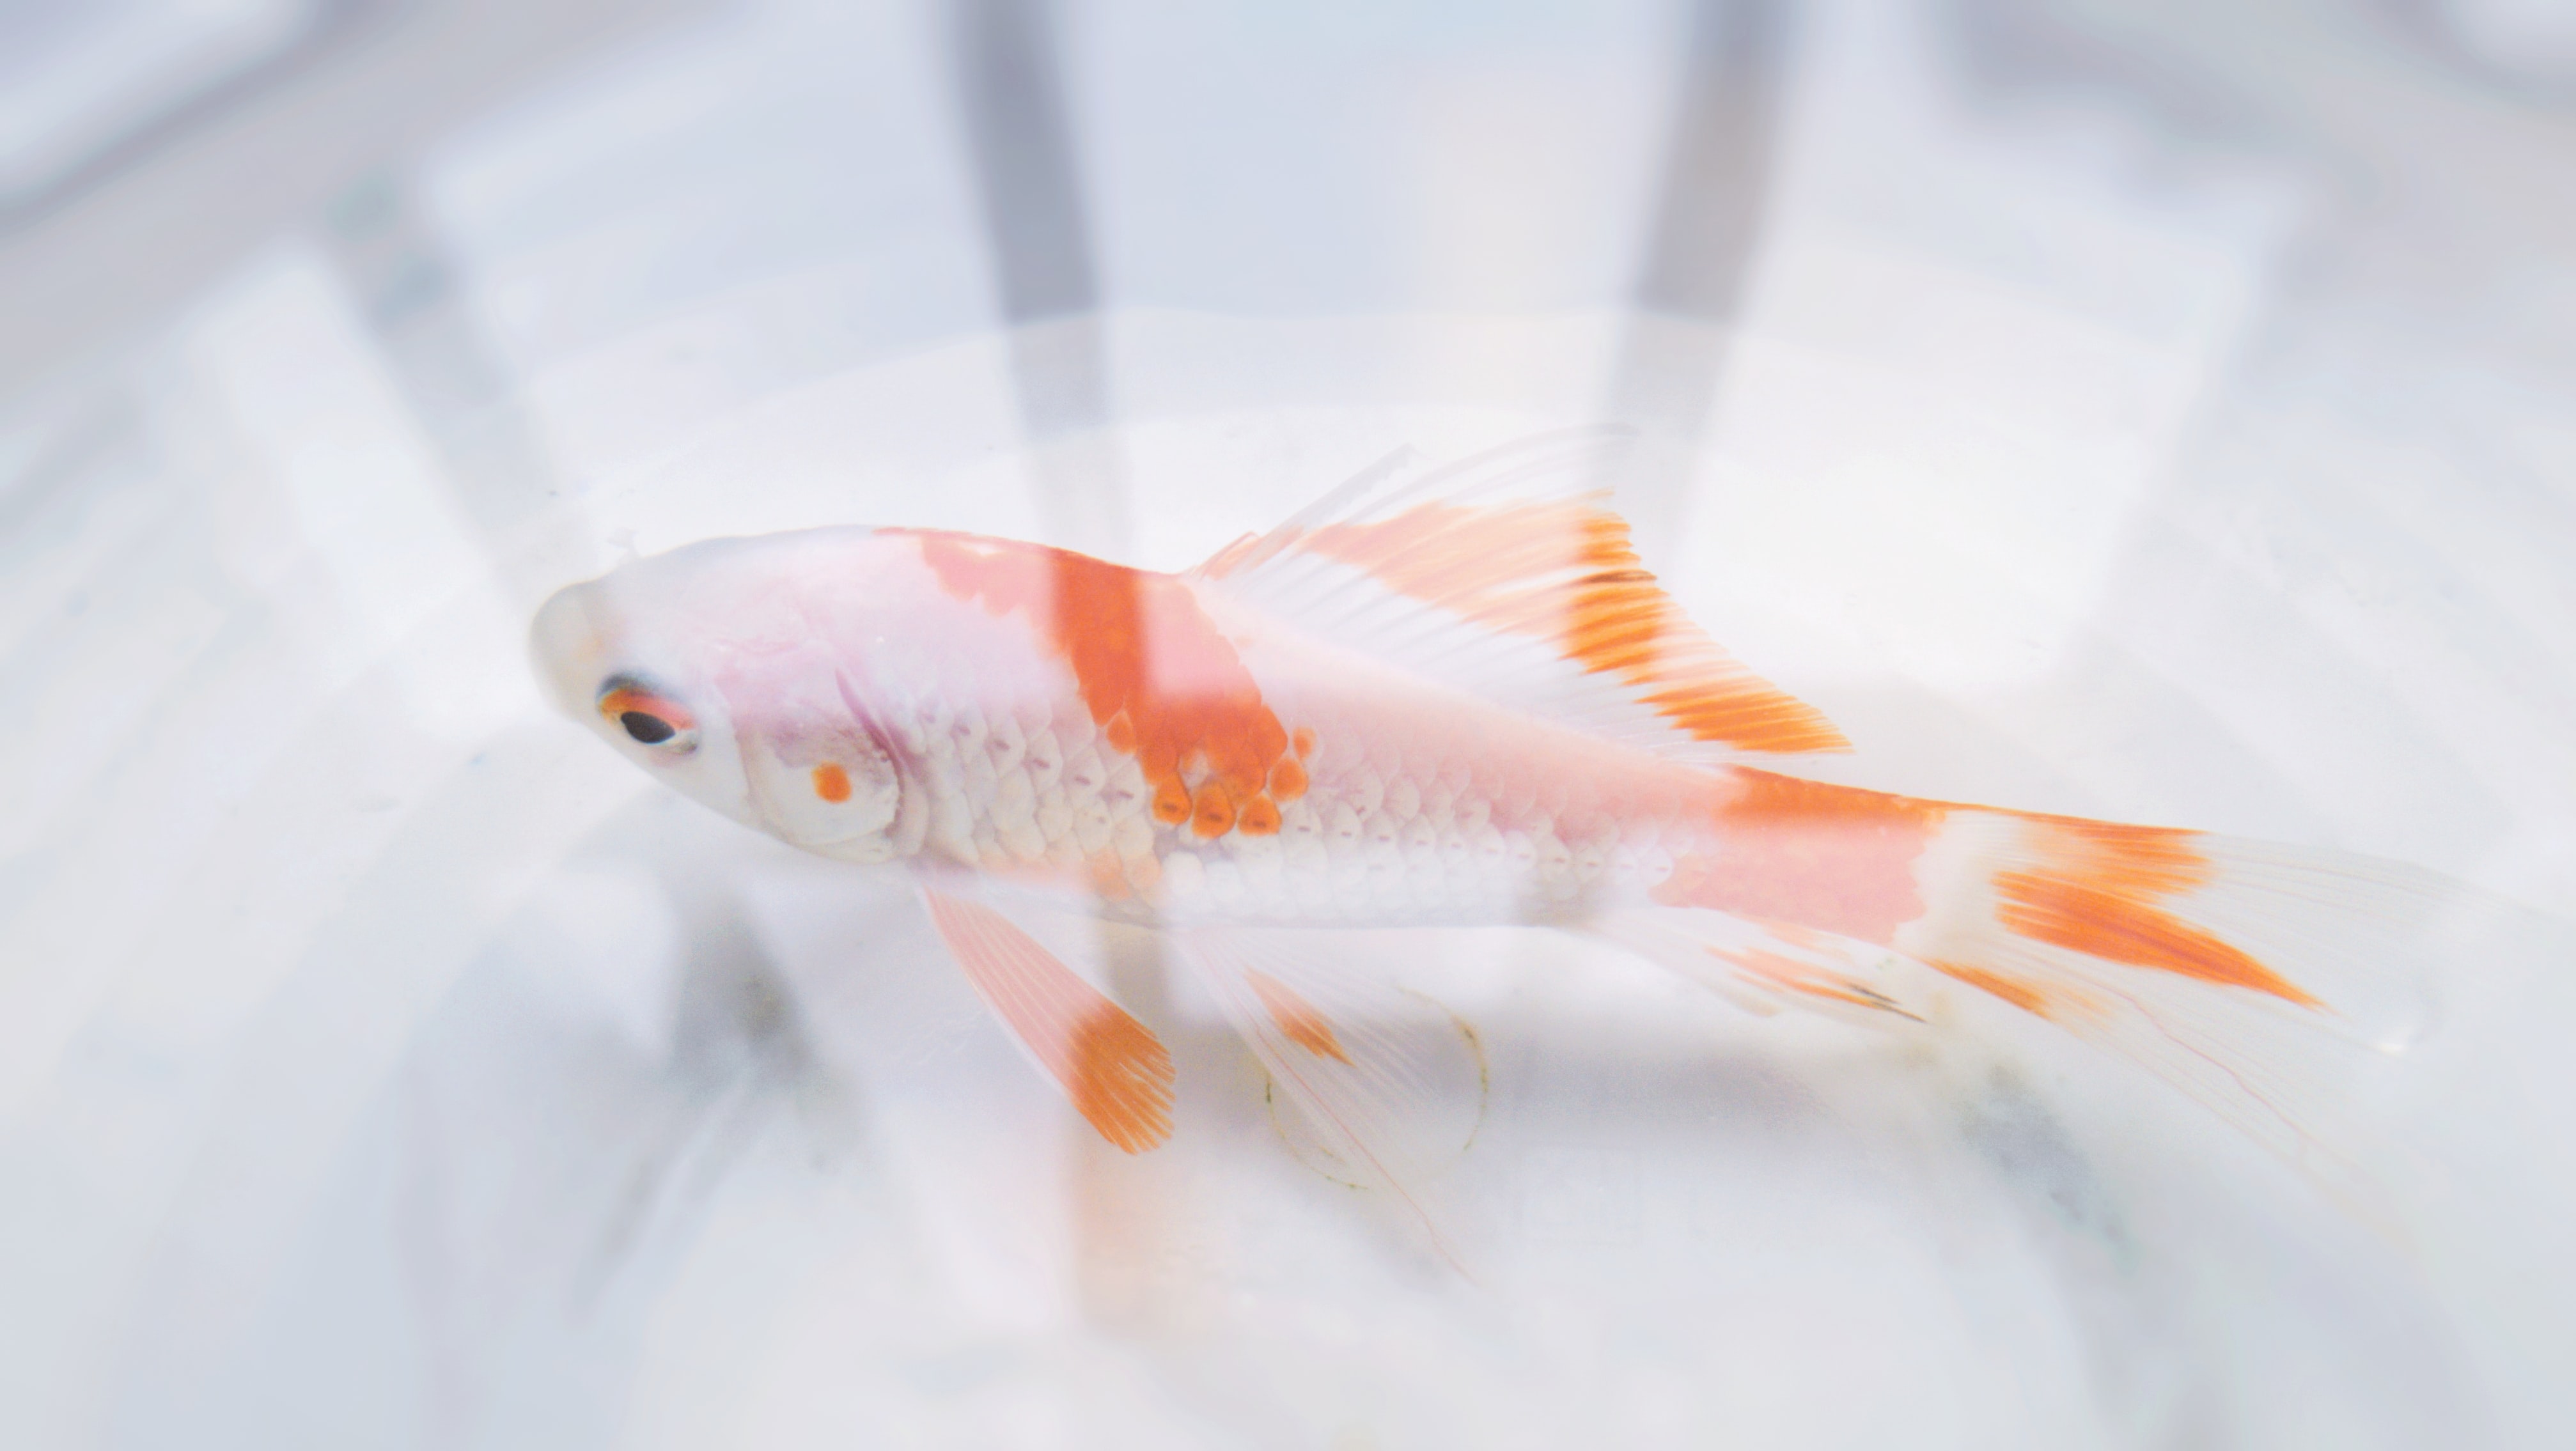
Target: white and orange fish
{"type": "Point", "coordinates": [1426, 701]}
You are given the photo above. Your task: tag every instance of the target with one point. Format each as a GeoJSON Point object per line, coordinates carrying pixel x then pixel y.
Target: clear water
{"type": "Point", "coordinates": [2154, 413]}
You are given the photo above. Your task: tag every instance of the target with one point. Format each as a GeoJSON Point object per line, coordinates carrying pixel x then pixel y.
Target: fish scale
{"type": "Point", "coordinates": [1363, 844]}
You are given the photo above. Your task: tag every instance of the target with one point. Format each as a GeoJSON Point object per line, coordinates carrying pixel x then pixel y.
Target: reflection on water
{"type": "Point", "coordinates": [2145, 413]}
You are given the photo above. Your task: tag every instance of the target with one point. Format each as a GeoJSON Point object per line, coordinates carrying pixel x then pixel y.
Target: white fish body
{"type": "Point", "coordinates": [1455, 700]}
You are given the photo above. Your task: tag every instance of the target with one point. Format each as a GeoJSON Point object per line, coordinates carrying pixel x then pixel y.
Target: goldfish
{"type": "Point", "coordinates": [1435, 698]}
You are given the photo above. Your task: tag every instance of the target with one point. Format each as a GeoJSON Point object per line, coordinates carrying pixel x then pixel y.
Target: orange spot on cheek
{"type": "Point", "coordinates": [831, 783]}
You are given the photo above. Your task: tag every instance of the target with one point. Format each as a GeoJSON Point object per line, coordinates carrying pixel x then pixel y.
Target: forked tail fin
{"type": "Point", "coordinates": [2247, 974]}
{"type": "Point", "coordinates": [2243, 973]}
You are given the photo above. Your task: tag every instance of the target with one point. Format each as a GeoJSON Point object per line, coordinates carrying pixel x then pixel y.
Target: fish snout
{"type": "Point", "coordinates": [567, 649]}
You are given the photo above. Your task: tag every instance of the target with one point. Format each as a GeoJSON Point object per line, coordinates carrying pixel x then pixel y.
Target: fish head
{"type": "Point", "coordinates": [706, 667]}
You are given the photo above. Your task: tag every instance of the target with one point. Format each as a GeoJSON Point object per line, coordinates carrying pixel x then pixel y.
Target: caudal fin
{"type": "Point", "coordinates": [2253, 977]}
{"type": "Point", "coordinates": [2245, 973]}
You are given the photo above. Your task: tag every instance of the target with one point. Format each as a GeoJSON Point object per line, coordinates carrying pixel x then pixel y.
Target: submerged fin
{"type": "Point", "coordinates": [1388, 1085]}
{"type": "Point", "coordinates": [2054, 908]}
{"type": "Point", "coordinates": [2255, 978]}
{"type": "Point", "coordinates": [1113, 1068]}
{"type": "Point", "coordinates": [1765, 967]}
{"type": "Point", "coordinates": [1508, 576]}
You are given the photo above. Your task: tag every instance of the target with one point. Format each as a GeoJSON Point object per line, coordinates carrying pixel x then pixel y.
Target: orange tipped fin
{"type": "Point", "coordinates": [1765, 966]}
{"type": "Point", "coordinates": [2243, 973]}
{"type": "Point", "coordinates": [1113, 1068]}
{"type": "Point", "coordinates": [1295, 1016]}
{"type": "Point", "coordinates": [2304, 929]}
{"type": "Point", "coordinates": [1375, 1087]}
{"type": "Point", "coordinates": [1508, 576]}
{"type": "Point", "coordinates": [2029, 996]}
{"type": "Point", "coordinates": [2099, 889]}
{"type": "Point", "coordinates": [1835, 859]}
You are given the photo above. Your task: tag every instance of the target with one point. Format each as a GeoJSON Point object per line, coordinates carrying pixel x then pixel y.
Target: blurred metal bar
{"type": "Point", "coordinates": [1010, 94]}
{"type": "Point", "coordinates": [406, 287]}
{"type": "Point", "coordinates": [148, 73]}
{"type": "Point", "coordinates": [1015, 119]}
{"type": "Point", "coordinates": [1716, 163]}
{"type": "Point", "coordinates": [159, 223]}
{"type": "Point", "coordinates": [1010, 90]}
{"type": "Point", "coordinates": [2032, 48]}
{"type": "Point", "coordinates": [1708, 221]}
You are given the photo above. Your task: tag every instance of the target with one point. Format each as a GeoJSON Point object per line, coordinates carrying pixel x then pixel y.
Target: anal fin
{"type": "Point", "coordinates": [1767, 966]}
{"type": "Point", "coordinates": [1389, 1087]}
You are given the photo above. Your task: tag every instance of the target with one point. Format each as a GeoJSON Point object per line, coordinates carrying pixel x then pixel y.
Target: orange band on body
{"type": "Point", "coordinates": [1160, 680]}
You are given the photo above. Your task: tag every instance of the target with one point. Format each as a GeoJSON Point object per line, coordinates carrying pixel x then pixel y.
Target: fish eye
{"type": "Point", "coordinates": [648, 716]}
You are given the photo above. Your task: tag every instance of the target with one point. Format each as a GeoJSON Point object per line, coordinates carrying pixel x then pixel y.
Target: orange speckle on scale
{"type": "Point", "coordinates": [1171, 801]}
{"type": "Point", "coordinates": [1214, 815]}
{"type": "Point", "coordinates": [1259, 817]}
{"type": "Point", "coordinates": [1245, 779]}
{"type": "Point", "coordinates": [1109, 876]}
{"type": "Point", "coordinates": [831, 783]}
{"type": "Point", "coordinates": [1287, 780]}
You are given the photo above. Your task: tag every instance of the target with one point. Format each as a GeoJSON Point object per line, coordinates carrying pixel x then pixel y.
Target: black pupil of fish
{"type": "Point", "coordinates": [651, 729]}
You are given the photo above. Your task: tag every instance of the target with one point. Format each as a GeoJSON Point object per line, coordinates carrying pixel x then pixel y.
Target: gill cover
{"type": "Point", "coordinates": [819, 778]}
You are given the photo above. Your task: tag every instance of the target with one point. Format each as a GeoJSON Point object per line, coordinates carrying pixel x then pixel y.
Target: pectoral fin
{"type": "Point", "coordinates": [1113, 1068]}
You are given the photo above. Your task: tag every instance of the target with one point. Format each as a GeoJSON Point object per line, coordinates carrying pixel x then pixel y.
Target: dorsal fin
{"type": "Point", "coordinates": [1509, 576]}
